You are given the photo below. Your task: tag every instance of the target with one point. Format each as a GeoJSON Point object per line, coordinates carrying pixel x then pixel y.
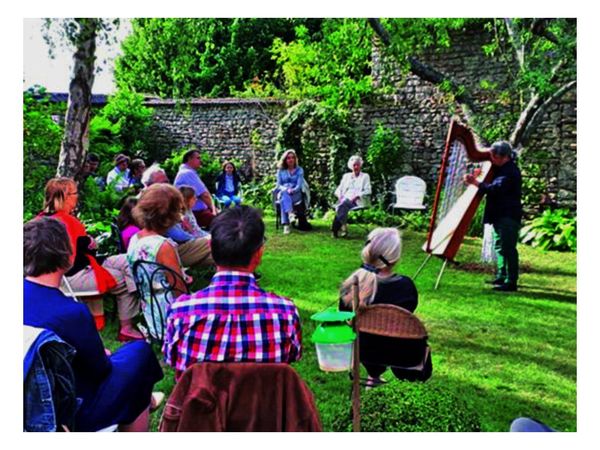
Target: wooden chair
{"type": "Point", "coordinates": [154, 280]}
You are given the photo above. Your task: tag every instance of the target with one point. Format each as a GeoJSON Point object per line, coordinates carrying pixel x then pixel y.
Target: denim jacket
{"type": "Point", "coordinates": [49, 397]}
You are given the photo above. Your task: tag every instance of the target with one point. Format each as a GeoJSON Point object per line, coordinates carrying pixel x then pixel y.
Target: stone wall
{"type": "Point", "coordinates": [247, 129]}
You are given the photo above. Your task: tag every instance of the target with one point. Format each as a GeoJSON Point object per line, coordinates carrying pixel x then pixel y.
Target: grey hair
{"type": "Point", "coordinates": [148, 174]}
{"type": "Point", "coordinates": [282, 164]}
{"type": "Point", "coordinates": [353, 159]}
{"type": "Point", "coordinates": [502, 148]}
{"type": "Point", "coordinates": [383, 248]}
{"type": "Point", "coordinates": [46, 247]}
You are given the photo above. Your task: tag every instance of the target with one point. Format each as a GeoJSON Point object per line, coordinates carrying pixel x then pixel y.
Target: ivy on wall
{"type": "Point", "coordinates": [323, 139]}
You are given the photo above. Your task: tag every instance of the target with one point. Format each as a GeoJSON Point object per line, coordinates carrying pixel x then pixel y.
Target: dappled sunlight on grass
{"type": "Point", "coordinates": [505, 354]}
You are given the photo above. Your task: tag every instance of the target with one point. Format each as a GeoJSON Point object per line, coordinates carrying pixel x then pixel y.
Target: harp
{"type": "Point", "coordinates": [455, 202]}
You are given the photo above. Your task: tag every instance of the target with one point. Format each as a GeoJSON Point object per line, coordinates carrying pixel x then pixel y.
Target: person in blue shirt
{"type": "Point", "coordinates": [228, 185]}
{"type": "Point", "coordinates": [290, 181]}
{"type": "Point", "coordinates": [204, 209]}
{"type": "Point", "coordinates": [115, 388]}
{"type": "Point", "coordinates": [503, 209]}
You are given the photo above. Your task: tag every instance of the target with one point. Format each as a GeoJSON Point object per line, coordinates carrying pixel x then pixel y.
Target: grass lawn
{"type": "Point", "coordinates": [505, 354]}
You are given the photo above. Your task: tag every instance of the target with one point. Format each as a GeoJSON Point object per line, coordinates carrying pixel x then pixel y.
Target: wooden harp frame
{"type": "Point", "coordinates": [444, 238]}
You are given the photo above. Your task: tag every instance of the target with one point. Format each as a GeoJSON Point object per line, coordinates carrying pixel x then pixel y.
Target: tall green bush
{"type": "Point", "coordinates": [41, 147]}
{"type": "Point", "coordinates": [385, 160]}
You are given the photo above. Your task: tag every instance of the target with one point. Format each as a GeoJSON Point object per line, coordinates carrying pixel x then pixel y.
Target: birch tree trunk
{"type": "Point", "coordinates": [75, 140]}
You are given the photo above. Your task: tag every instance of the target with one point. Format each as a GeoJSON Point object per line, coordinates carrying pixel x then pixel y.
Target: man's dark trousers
{"type": "Point", "coordinates": [506, 234]}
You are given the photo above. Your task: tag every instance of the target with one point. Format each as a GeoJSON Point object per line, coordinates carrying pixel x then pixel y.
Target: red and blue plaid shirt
{"type": "Point", "coordinates": [232, 320]}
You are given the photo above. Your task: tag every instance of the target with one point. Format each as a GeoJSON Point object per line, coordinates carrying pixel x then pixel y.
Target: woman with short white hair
{"type": "Point", "coordinates": [354, 190]}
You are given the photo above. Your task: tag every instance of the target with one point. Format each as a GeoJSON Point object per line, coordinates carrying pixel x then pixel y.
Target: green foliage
{"type": "Point", "coordinates": [413, 407]}
{"type": "Point", "coordinates": [535, 184]}
{"type": "Point", "coordinates": [184, 58]}
{"type": "Point", "coordinates": [384, 156]}
{"type": "Point", "coordinates": [323, 140]}
{"type": "Point", "coordinates": [257, 193]}
{"type": "Point", "coordinates": [334, 70]}
{"type": "Point", "coordinates": [121, 127]}
{"type": "Point", "coordinates": [553, 230]}
{"type": "Point", "coordinates": [379, 216]}
{"type": "Point", "coordinates": [41, 146]}
{"type": "Point", "coordinates": [208, 171]}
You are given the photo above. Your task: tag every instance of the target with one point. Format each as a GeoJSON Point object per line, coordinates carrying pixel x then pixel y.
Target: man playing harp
{"type": "Point", "coordinates": [503, 210]}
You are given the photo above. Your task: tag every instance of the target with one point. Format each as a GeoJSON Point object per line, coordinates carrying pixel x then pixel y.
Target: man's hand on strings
{"type": "Point", "coordinates": [471, 178]}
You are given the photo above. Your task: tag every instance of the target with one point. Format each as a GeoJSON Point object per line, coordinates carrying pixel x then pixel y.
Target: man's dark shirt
{"type": "Point", "coordinates": [503, 194]}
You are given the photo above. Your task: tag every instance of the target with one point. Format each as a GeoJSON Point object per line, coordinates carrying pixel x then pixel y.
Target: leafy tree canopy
{"type": "Point", "coordinates": [183, 58]}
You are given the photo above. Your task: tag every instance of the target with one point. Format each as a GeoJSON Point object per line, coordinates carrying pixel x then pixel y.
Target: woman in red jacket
{"type": "Point", "coordinates": [87, 274]}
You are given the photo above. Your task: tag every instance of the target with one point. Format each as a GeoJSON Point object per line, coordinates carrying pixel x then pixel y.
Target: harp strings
{"type": "Point", "coordinates": [459, 165]}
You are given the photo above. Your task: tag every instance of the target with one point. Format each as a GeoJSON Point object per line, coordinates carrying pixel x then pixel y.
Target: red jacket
{"type": "Point", "coordinates": [240, 397]}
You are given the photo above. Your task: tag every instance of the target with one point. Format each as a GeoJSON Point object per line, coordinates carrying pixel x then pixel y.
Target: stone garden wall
{"type": "Point", "coordinates": [247, 129]}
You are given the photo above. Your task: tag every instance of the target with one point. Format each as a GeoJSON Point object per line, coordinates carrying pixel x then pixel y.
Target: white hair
{"type": "Point", "coordinates": [354, 159]}
{"type": "Point", "coordinates": [148, 175]}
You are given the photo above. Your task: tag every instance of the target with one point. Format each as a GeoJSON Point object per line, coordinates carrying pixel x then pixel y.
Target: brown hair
{"type": "Point", "coordinates": [46, 247]}
{"type": "Point", "coordinates": [159, 207]}
{"type": "Point", "coordinates": [56, 193]}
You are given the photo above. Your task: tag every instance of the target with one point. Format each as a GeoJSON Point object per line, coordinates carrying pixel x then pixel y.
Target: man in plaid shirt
{"type": "Point", "coordinates": [233, 319]}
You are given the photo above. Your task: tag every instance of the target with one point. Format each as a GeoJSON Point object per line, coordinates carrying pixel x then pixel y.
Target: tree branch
{"type": "Point", "coordinates": [541, 110]}
{"type": "Point", "coordinates": [426, 72]}
{"type": "Point", "coordinates": [516, 42]}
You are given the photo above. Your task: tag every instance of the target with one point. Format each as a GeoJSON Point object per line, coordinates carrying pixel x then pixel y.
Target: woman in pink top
{"type": "Point", "coordinates": [125, 221]}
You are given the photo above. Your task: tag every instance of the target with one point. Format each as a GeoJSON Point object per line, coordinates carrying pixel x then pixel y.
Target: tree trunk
{"type": "Point", "coordinates": [75, 140]}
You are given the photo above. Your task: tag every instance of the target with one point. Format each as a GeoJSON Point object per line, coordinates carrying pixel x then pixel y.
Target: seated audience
{"type": "Point", "coordinates": [290, 179]}
{"type": "Point", "coordinates": [127, 225]}
{"type": "Point", "coordinates": [86, 274]}
{"type": "Point", "coordinates": [228, 185]}
{"type": "Point", "coordinates": [158, 208]}
{"type": "Point", "coordinates": [233, 319]}
{"type": "Point", "coordinates": [188, 222]}
{"type": "Point", "coordinates": [204, 209]}
{"type": "Point", "coordinates": [114, 388]}
{"type": "Point", "coordinates": [119, 176]}
{"type": "Point", "coordinates": [354, 190]}
{"type": "Point", "coordinates": [192, 251]}
{"type": "Point", "coordinates": [378, 284]}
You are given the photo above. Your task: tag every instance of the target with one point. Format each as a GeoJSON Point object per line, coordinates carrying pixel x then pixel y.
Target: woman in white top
{"type": "Point", "coordinates": [354, 190]}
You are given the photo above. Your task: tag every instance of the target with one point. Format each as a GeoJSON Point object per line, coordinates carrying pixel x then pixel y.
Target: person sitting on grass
{"type": "Point", "coordinates": [228, 185]}
{"type": "Point", "coordinates": [188, 221]}
{"type": "Point", "coordinates": [158, 208]}
{"type": "Point", "coordinates": [233, 319]}
{"type": "Point", "coordinates": [125, 222]}
{"type": "Point", "coordinates": [114, 388]}
{"type": "Point", "coordinates": [87, 274]}
{"type": "Point", "coordinates": [378, 284]}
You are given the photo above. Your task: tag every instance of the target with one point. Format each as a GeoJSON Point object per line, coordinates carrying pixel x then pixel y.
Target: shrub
{"type": "Point", "coordinates": [208, 171]}
{"type": "Point", "coordinates": [41, 147]}
{"type": "Point", "coordinates": [257, 193]}
{"type": "Point", "coordinates": [553, 230]}
{"type": "Point", "coordinates": [384, 157]}
{"type": "Point", "coordinates": [402, 406]}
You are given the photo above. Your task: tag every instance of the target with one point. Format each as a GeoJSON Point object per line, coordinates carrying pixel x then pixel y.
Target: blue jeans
{"type": "Point", "coordinates": [527, 425]}
{"type": "Point", "coordinates": [287, 203]}
{"type": "Point", "coordinates": [228, 199]}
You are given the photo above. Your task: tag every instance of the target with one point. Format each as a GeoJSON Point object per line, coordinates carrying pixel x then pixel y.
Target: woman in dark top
{"type": "Point", "coordinates": [379, 285]}
{"type": "Point", "coordinates": [115, 389]}
{"type": "Point", "coordinates": [228, 185]}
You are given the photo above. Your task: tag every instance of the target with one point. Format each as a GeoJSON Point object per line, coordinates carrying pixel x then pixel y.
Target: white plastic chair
{"type": "Point", "coordinates": [410, 192]}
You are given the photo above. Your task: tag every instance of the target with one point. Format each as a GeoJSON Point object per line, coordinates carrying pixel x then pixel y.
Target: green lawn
{"type": "Point", "coordinates": [505, 354]}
